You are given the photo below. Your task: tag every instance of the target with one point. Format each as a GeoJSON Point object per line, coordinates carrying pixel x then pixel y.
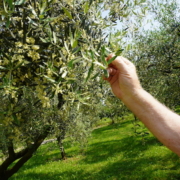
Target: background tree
{"type": "Point", "coordinates": [112, 108]}
{"type": "Point", "coordinates": [157, 55]}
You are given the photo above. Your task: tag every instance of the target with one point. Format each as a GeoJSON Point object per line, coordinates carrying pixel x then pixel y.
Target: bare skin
{"type": "Point", "coordinates": [160, 120]}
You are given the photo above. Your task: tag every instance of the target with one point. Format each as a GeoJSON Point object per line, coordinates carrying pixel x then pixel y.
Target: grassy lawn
{"type": "Point", "coordinates": [113, 153]}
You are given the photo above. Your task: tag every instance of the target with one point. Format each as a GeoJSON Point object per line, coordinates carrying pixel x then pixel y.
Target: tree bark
{"type": "Point", "coordinates": [61, 147]}
{"type": "Point", "coordinates": [23, 156]}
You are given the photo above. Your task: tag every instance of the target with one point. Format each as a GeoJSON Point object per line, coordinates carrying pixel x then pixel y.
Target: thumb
{"type": "Point", "coordinates": [119, 63]}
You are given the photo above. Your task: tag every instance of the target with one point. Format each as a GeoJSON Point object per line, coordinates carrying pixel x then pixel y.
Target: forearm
{"type": "Point", "coordinates": [161, 121]}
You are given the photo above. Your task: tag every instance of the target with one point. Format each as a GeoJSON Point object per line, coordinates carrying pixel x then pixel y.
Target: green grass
{"type": "Point", "coordinates": [113, 153]}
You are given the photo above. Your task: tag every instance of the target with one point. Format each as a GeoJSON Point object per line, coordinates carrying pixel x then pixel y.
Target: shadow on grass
{"type": "Point", "coordinates": [110, 127]}
{"type": "Point", "coordinates": [121, 159]}
{"type": "Point", "coordinates": [129, 148]}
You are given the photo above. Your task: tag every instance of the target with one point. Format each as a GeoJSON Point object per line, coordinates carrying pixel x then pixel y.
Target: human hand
{"type": "Point", "coordinates": [122, 77]}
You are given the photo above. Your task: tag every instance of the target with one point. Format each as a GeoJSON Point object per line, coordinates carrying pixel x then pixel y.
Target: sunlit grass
{"type": "Point", "coordinates": [113, 153]}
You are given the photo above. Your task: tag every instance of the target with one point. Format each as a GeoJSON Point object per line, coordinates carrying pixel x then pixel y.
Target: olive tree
{"type": "Point", "coordinates": [52, 52]}
{"type": "Point", "coordinates": [157, 54]}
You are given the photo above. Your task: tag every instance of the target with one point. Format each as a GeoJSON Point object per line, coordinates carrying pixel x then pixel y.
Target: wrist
{"type": "Point", "coordinates": [133, 96]}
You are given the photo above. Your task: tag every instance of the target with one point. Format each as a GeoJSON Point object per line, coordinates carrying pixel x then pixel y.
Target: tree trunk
{"type": "Point", "coordinates": [134, 123]}
{"type": "Point", "coordinates": [112, 122]}
{"type": "Point", "coordinates": [23, 156]}
{"type": "Point", "coordinates": [61, 147]}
